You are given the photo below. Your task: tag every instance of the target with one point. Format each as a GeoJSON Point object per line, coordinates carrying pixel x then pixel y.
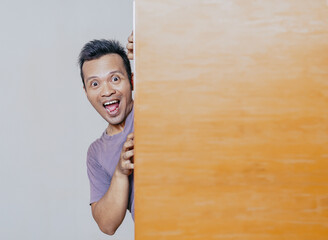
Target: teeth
{"type": "Point", "coordinates": [110, 102]}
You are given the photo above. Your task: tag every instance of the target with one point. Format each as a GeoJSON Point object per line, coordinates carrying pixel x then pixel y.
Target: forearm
{"type": "Point", "coordinates": [110, 210]}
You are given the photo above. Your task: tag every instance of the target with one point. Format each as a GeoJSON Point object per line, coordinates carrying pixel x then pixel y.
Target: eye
{"type": "Point", "coordinates": [94, 84]}
{"type": "Point", "coordinates": [115, 79]}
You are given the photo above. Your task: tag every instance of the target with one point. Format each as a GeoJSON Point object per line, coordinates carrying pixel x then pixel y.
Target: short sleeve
{"type": "Point", "coordinates": [98, 177]}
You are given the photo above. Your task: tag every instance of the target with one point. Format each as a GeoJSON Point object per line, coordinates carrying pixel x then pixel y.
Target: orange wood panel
{"type": "Point", "coordinates": [231, 119]}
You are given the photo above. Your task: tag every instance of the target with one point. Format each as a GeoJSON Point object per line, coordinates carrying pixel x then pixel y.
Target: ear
{"type": "Point", "coordinates": [85, 90]}
{"type": "Point", "coordinates": [132, 81]}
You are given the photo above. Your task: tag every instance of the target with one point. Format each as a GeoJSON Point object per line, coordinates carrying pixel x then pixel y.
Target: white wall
{"type": "Point", "coordinates": [46, 122]}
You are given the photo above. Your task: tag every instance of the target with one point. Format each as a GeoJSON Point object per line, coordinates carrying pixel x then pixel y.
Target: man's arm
{"type": "Point", "coordinates": [110, 210]}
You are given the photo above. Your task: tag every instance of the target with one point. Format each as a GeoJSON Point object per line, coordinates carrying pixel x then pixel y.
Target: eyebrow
{"type": "Point", "coordinates": [110, 73]}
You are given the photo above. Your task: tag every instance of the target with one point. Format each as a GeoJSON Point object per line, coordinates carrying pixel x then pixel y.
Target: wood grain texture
{"type": "Point", "coordinates": [231, 120]}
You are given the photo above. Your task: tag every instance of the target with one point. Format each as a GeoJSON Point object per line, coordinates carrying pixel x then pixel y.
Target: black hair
{"type": "Point", "coordinates": [98, 48]}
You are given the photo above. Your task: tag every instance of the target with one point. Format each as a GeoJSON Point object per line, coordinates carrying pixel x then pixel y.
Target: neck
{"type": "Point", "coordinates": [115, 129]}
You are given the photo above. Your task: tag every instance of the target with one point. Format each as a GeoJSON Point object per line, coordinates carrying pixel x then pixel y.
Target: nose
{"type": "Point", "coordinates": [107, 90]}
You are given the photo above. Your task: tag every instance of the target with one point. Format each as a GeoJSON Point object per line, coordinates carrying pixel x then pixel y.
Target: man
{"type": "Point", "coordinates": [108, 84]}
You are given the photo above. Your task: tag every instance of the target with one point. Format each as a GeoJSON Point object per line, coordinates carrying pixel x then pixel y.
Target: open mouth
{"type": "Point", "coordinates": [112, 106]}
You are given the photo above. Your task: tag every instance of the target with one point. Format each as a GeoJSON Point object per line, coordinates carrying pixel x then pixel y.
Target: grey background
{"type": "Point", "coordinates": [46, 120]}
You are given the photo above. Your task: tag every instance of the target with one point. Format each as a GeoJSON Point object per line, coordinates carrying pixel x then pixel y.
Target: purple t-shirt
{"type": "Point", "coordinates": [102, 158]}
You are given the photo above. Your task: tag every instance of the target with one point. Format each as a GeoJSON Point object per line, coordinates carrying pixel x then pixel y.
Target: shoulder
{"type": "Point", "coordinates": [103, 150]}
{"type": "Point", "coordinates": [95, 148]}
{"type": "Point", "coordinates": [93, 162]}
{"type": "Point", "coordinates": [103, 154]}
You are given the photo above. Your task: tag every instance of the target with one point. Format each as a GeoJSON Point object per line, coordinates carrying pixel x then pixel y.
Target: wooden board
{"type": "Point", "coordinates": [231, 119]}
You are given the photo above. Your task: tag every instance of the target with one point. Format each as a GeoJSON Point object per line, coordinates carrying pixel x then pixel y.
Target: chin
{"type": "Point", "coordinates": [115, 121]}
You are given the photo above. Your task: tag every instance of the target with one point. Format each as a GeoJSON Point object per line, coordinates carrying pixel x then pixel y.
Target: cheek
{"type": "Point", "coordinates": [127, 91]}
{"type": "Point", "coordinates": [92, 98]}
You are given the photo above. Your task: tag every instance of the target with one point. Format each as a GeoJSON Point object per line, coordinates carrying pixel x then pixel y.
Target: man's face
{"type": "Point", "coordinates": [108, 88]}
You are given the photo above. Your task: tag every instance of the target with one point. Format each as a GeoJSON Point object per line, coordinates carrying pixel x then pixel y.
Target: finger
{"type": "Point", "coordinates": [130, 136]}
{"type": "Point", "coordinates": [128, 165]}
{"type": "Point", "coordinates": [128, 145]}
{"type": "Point", "coordinates": [129, 46]}
{"type": "Point", "coordinates": [130, 56]}
{"type": "Point", "coordinates": [130, 39]}
{"type": "Point", "coordinates": [128, 155]}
